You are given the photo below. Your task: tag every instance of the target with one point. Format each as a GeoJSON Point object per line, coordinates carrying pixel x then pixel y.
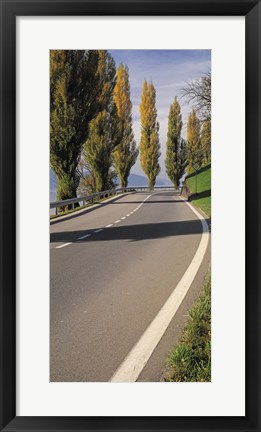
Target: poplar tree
{"type": "Point", "coordinates": [206, 141]}
{"type": "Point", "coordinates": [73, 90]}
{"type": "Point", "coordinates": [149, 144]}
{"type": "Point", "coordinates": [126, 152]}
{"type": "Point", "coordinates": [176, 149]}
{"type": "Point", "coordinates": [194, 149]}
{"type": "Point", "coordinates": [103, 128]}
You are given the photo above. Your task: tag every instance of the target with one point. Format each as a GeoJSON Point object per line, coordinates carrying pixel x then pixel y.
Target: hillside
{"type": "Point", "coordinates": [201, 199]}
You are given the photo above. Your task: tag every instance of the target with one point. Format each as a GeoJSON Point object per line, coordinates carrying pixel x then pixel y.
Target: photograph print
{"type": "Point", "coordinates": [130, 215]}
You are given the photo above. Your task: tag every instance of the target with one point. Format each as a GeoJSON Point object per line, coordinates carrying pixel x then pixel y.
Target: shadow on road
{"type": "Point", "coordinates": [115, 201]}
{"type": "Point", "coordinates": [132, 232]}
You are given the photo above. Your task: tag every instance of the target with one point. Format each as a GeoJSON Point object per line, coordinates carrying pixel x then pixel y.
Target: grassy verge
{"type": "Point", "coordinates": [200, 189]}
{"type": "Point", "coordinates": [190, 361]}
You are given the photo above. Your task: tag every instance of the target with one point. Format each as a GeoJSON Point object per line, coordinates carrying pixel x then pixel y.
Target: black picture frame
{"type": "Point", "coordinates": [251, 10]}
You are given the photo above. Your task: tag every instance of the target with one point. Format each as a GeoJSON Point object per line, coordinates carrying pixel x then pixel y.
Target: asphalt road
{"type": "Point", "coordinates": [107, 286]}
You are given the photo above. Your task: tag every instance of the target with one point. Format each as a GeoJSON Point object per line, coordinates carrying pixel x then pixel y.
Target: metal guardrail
{"type": "Point", "coordinates": [84, 199]}
{"type": "Point", "coordinates": [72, 201]}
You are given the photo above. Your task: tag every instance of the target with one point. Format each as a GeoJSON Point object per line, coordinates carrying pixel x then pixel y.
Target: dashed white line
{"type": "Point", "coordinates": [83, 237]}
{"type": "Point", "coordinates": [63, 245]}
{"type": "Point", "coordinates": [107, 226]}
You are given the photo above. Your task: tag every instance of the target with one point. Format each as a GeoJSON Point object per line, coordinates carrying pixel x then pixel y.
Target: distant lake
{"type": "Point", "coordinates": [52, 195]}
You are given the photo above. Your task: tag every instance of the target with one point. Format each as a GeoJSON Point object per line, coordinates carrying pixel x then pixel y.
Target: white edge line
{"type": "Point", "coordinates": [99, 230]}
{"type": "Point", "coordinates": [63, 245]}
{"type": "Point", "coordinates": [132, 366]}
{"type": "Point", "coordinates": [108, 226]}
{"type": "Point", "coordinates": [117, 221]}
{"type": "Point", "coordinates": [124, 217]}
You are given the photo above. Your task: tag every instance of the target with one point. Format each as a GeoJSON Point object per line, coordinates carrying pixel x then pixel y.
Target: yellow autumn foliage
{"type": "Point", "coordinates": [149, 144]}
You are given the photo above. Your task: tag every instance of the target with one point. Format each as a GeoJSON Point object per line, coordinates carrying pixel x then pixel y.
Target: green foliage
{"type": "Point", "coordinates": [98, 150]}
{"type": "Point", "coordinates": [194, 149]}
{"type": "Point", "coordinates": [206, 141]}
{"type": "Point", "coordinates": [201, 199]}
{"type": "Point", "coordinates": [125, 153]}
{"type": "Point", "coordinates": [190, 361]}
{"type": "Point", "coordinates": [87, 183]}
{"type": "Point", "coordinates": [149, 144]}
{"type": "Point", "coordinates": [73, 103]}
{"type": "Point", "coordinates": [176, 157]}
{"type": "Point", "coordinates": [103, 129]}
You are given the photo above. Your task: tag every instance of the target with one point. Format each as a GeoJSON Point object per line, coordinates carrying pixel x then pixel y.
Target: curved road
{"type": "Point", "coordinates": [112, 269]}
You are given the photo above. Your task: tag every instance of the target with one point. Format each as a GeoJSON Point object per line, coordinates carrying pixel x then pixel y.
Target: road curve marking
{"type": "Point", "coordinates": [83, 237]}
{"type": "Point", "coordinates": [63, 245]}
{"type": "Point", "coordinates": [136, 360]}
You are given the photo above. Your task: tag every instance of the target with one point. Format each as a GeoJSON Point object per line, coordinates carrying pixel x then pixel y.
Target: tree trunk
{"type": "Point", "coordinates": [123, 182]}
{"type": "Point", "coordinates": [151, 183]}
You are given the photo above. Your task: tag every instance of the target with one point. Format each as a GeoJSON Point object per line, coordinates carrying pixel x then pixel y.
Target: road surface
{"type": "Point", "coordinates": [111, 271]}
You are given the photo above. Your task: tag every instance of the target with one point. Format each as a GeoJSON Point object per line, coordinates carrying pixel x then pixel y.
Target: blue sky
{"type": "Point", "coordinates": [168, 70]}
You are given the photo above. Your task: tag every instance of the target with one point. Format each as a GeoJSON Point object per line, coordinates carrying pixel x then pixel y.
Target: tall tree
{"type": "Point", "coordinates": [182, 157]}
{"type": "Point", "coordinates": [103, 129]}
{"type": "Point", "coordinates": [73, 104]}
{"type": "Point", "coordinates": [206, 141]}
{"type": "Point", "coordinates": [175, 154]}
{"type": "Point", "coordinates": [126, 152]}
{"type": "Point", "coordinates": [198, 94]}
{"type": "Point", "coordinates": [194, 149]}
{"type": "Point", "coordinates": [149, 144]}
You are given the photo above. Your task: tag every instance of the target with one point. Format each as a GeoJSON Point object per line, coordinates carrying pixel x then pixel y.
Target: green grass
{"type": "Point", "coordinates": [190, 361]}
{"type": "Point", "coordinates": [201, 197]}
